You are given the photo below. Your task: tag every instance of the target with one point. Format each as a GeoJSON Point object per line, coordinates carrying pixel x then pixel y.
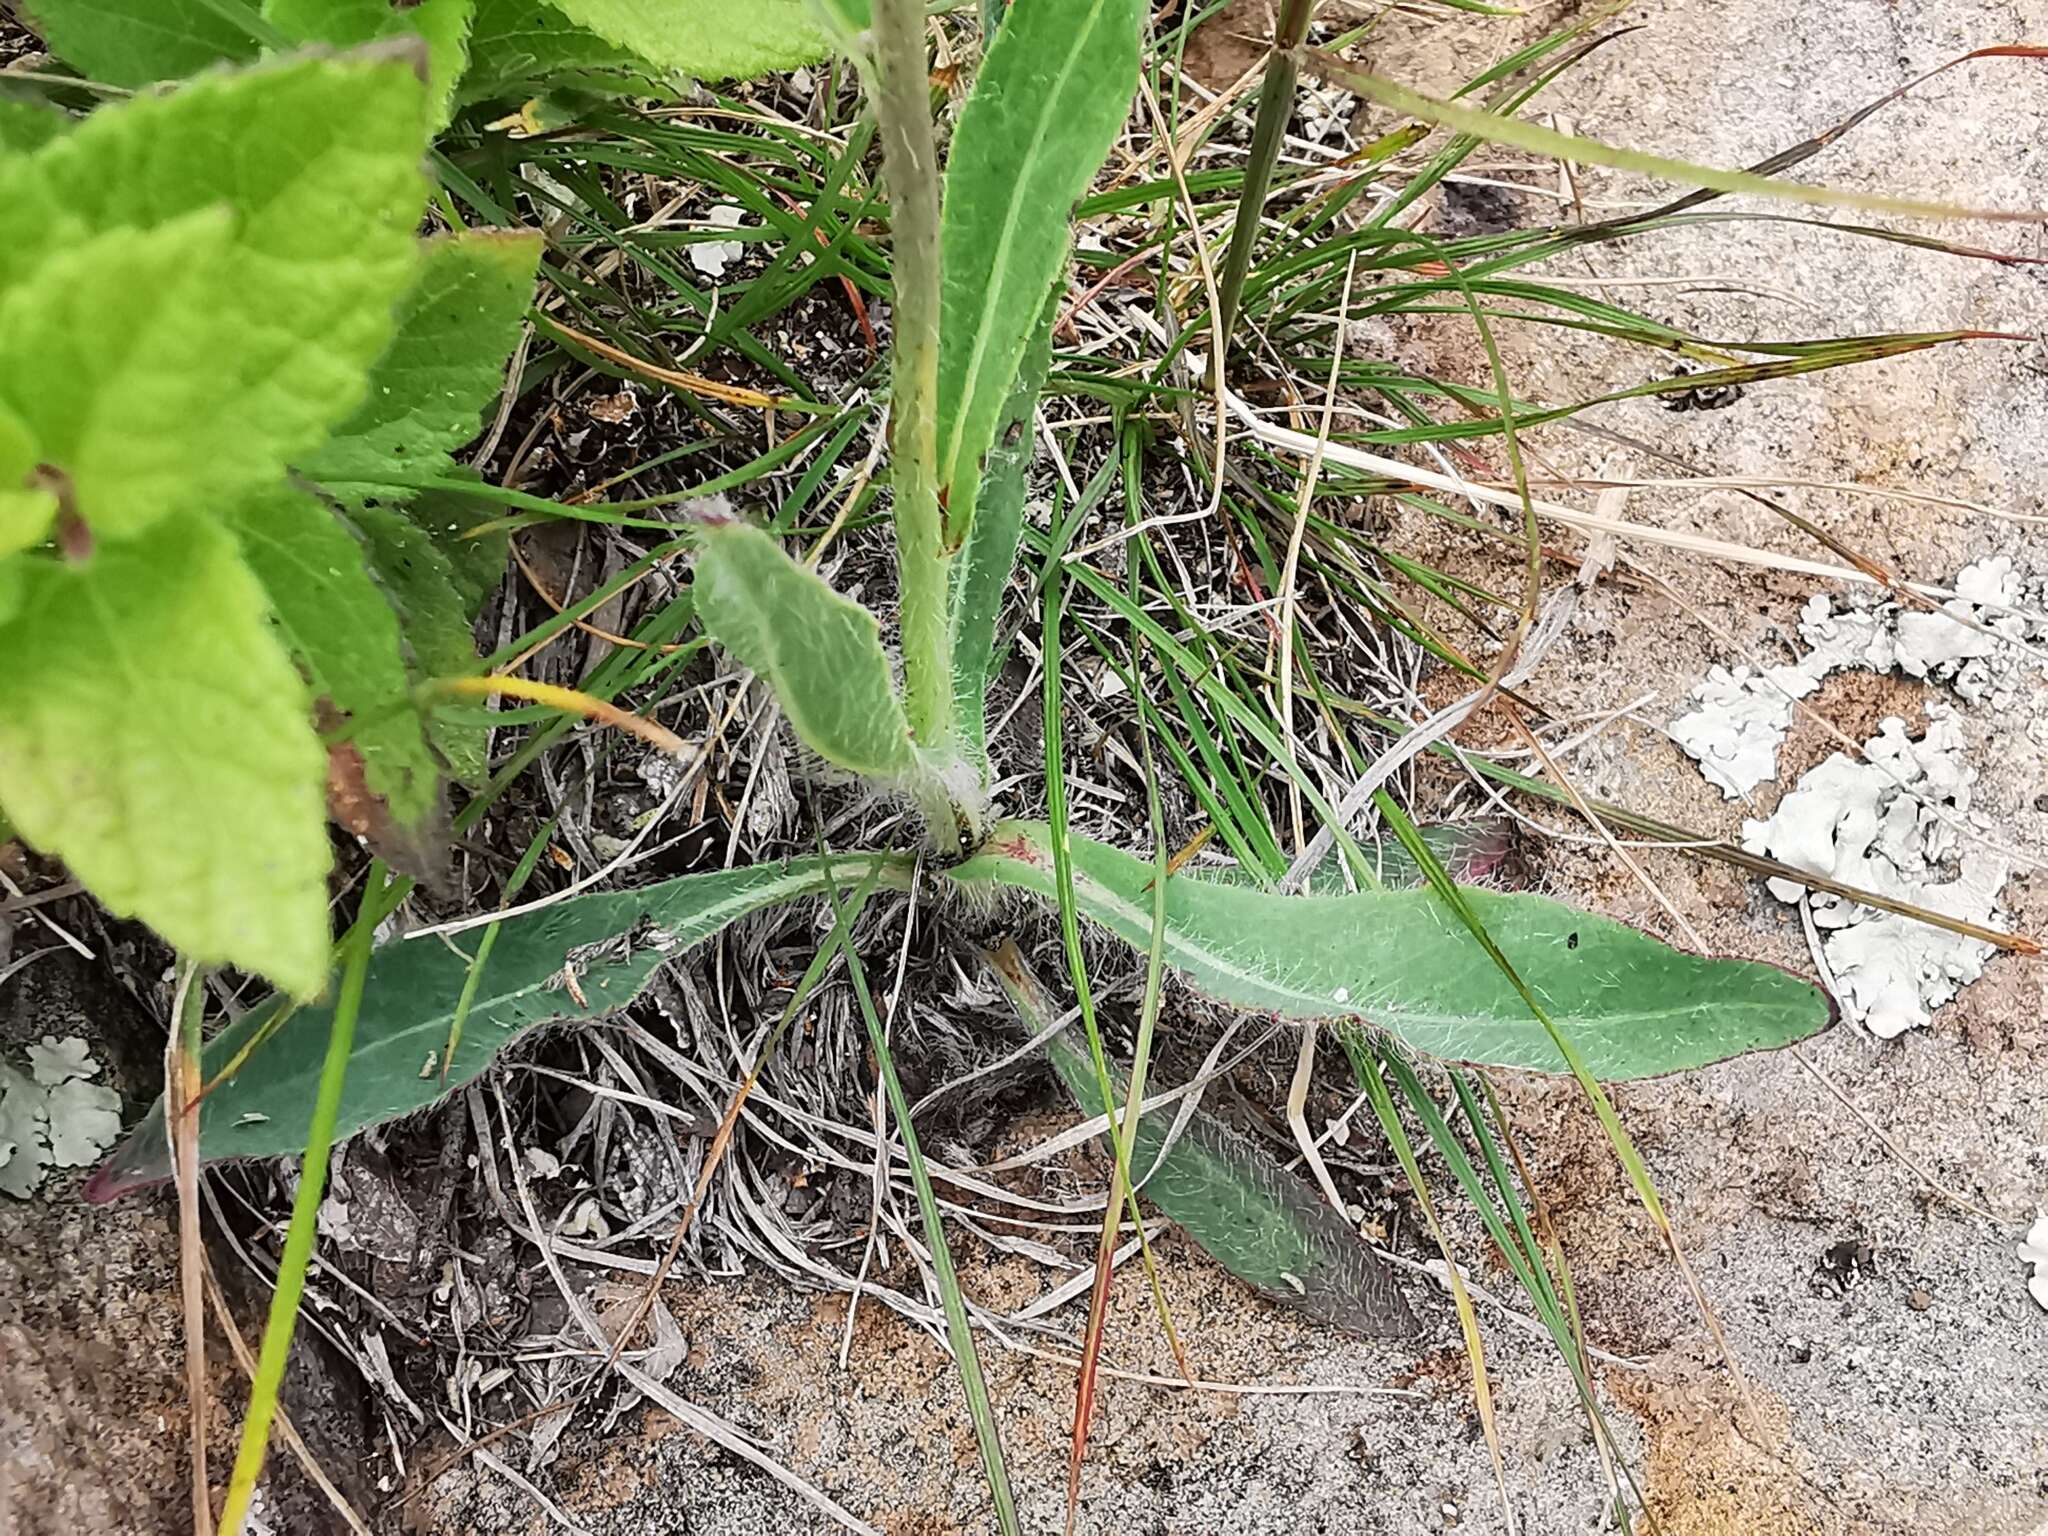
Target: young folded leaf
{"type": "Point", "coordinates": [1051, 96]}
{"type": "Point", "coordinates": [578, 960]}
{"type": "Point", "coordinates": [1399, 962]}
{"type": "Point", "coordinates": [1230, 1196]}
{"type": "Point", "coordinates": [155, 735]}
{"type": "Point", "coordinates": [821, 652]}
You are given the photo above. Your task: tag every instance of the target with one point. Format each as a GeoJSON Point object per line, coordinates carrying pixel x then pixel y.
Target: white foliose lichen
{"type": "Point", "coordinates": [53, 1117]}
{"type": "Point", "coordinates": [1738, 717]}
{"type": "Point", "coordinates": [1889, 824]}
{"type": "Point", "coordinates": [1892, 822]}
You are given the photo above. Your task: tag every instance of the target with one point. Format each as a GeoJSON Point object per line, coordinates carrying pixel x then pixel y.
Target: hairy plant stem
{"type": "Point", "coordinates": [901, 90]}
{"type": "Point", "coordinates": [1276, 105]}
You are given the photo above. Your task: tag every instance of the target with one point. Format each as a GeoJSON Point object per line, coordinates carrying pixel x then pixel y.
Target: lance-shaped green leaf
{"type": "Point", "coordinates": [1399, 961]}
{"type": "Point", "coordinates": [574, 961]}
{"type": "Point", "coordinates": [1052, 94]}
{"type": "Point", "coordinates": [710, 39]}
{"type": "Point", "coordinates": [344, 636]}
{"type": "Point", "coordinates": [139, 42]}
{"type": "Point", "coordinates": [445, 366]}
{"type": "Point", "coordinates": [178, 319]}
{"type": "Point", "coordinates": [155, 735]}
{"type": "Point", "coordinates": [1230, 1196]}
{"type": "Point", "coordinates": [821, 652]}
{"type": "Point", "coordinates": [443, 25]}
{"type": "Point", "coordinates": [986, 559]}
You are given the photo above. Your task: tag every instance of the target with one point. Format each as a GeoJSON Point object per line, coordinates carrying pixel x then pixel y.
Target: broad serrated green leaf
{"type": "Point", "coordinates": [442, 24]}
{"type": "Point", "coordinates": [1401, 962]}
{"type": "Point", "coordinates": [445, 365]}
{"type": "Point", "coordinates": [517, 47]}
{"type": "Point", "coordinates": [1052, 94]}
{"type": "Point", "coordinates": [820, 652]}
{"type": "Point", "coordinates": [420, 583]}
{"type": "Point", "coordinates": [196, 283]}
{"type": "Point", "coordinates": [990, 551]}
{"type": "Point", "coordinates": [154, 734]}
{"type": "Point", "coordinates": [609, 944]}
{"type": "Point", "coordinates": [344, 635]}
{"type": "Point", "coordinates": [1229, 1195]}
{"type": "Point", "coordinates": [139, 42]}
{"type": "Point", "coordinates": [710, 39]}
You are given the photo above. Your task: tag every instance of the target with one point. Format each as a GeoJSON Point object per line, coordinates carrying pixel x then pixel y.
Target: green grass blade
{"type": "Point", "coordinates": [298, 1243]}
{"type": "Point", "coordinates": [959, 1331]}
{"type": "Point", "coordinates": [1538, 140]}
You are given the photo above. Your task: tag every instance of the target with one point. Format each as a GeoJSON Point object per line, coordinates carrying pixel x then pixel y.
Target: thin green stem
{"type": "Point", "coordinates": [378, 902]}
{"type": "Point", "coordinates": [1276, 105]}
{"type": "Point", "coordinates": [901, 90]}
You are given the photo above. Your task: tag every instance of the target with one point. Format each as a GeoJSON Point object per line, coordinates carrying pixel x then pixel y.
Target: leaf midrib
{"type": "Point", "coordinates": [998, 276]}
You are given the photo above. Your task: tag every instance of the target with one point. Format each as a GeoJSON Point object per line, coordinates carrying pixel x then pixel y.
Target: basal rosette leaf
{"type": "Point", "coordinates": [577, 960]}
{"type": "Point", "coordinates": [1402, 962]}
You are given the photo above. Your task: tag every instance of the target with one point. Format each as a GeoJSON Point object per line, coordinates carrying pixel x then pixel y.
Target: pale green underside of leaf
{"type": "Point", "coordinates": [711, 39]}
{"type": "Point", "coordinates": [344, 635]}
{"type": "Point", "coordinates": [138, 42]}
{"type": "Point", "coordinates": [182, 317]}
{"type": "Point", "coordinates": [154, 734]}
{"type": "Point", "coordinates": [445, 366]}
{"type": "Point", "coordinates": [1401, 962]}
{"type": "Point", "coordinates": [820, 652]}
{"type": "Point", "coordinates": [413, 989]}
{"type": "Point", "coordinates": [442, 24]}
{"type": "Point", "coordinates": [1230, 1196]}
{"type": "Point", "coordinates": [1048, 103]}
